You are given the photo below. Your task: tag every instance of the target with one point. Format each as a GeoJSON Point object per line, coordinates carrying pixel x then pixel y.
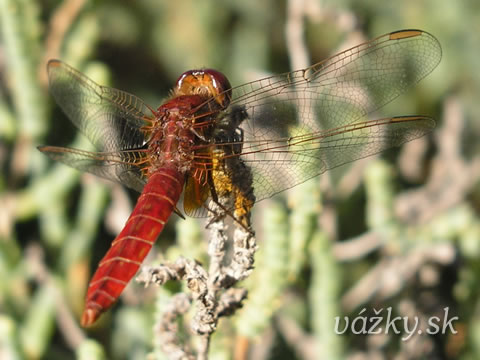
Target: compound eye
{"type": "Point", "coordinates": [221, 84]}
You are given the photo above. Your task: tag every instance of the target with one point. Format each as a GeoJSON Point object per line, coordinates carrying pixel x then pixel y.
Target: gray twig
{"type": "Point", "coordinates": [212, 292]}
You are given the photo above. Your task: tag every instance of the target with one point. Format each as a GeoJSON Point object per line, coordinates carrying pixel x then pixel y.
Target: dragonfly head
{"type": "Point", "coordinates": [207, 83]}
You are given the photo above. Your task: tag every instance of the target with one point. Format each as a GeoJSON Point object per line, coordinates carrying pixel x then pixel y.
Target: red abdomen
{"type": "Point", "coordinates": [134, 242]}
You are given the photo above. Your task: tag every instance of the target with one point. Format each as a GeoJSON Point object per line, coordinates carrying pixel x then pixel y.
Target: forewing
{"type": "Point", "coordinates": [341, 89]}
{"type": "Point", "coordinates": [111, 119]}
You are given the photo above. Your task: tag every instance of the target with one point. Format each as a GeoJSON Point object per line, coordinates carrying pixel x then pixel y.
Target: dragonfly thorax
{"type": "Point", "coordinates": [171, 145]}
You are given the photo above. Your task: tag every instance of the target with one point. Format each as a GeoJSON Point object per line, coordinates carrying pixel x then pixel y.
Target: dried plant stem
{"type": "Point", "coordinates": [212, 292]}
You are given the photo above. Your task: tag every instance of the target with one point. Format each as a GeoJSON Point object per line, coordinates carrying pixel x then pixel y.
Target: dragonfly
{"type": "Point", "coordinates": [278, 132]}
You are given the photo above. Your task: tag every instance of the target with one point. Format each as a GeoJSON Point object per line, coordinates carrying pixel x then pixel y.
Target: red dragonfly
{"type": "Point", "coordinates": [282, 129]}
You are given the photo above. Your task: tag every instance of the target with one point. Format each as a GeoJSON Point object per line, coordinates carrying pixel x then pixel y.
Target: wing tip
{"type": "Point", "coordinates": [411, 33]}
{"type": "Point", "coordinates": [50, 149]}
{"type": "Point", "coordinates": [53, 63]}
{"type": "Point", "coordinates": [404, 34]}
{"type": "Point", "coordinates": [426, 119]}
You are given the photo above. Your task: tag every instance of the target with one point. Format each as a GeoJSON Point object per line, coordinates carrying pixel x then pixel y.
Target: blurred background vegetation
{"type": "Point", "coordinates": [399, 231]}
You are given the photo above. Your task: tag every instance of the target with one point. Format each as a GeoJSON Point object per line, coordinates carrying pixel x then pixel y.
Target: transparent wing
{"type": "Point", "coordinates": [124, 167]}
{"type": "Point", "coordinates": [114, 121]}
{"type": "Point", "coordinates": [111, 119]}
{"type": "Point", "coordinates": [298, 125]}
